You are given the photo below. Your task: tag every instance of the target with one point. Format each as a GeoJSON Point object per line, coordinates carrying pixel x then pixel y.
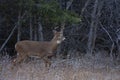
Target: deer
{"type": "Point", "coordinates": [41, 49]}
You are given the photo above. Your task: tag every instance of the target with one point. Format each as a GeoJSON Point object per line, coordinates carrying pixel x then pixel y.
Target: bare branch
{"type": "Point", "coordinates": [69, 3]}
{"type": "Point", "coordinates": [86, 4]}
{"type": "Point", "coordinates": [16, 25]}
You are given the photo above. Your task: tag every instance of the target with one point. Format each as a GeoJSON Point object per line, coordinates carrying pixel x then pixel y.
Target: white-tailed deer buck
{"type": "Point", "coordinates": [41, 49]}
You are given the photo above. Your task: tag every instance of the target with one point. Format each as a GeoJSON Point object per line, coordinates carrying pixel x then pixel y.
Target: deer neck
{"type": "Point", "coordinates": [54, 44]}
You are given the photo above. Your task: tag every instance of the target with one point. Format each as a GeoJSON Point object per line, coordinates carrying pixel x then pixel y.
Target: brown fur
{"type": "Point", "coordinates": [42, 49]}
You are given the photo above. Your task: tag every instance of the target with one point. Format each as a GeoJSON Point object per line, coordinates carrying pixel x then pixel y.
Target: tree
{"type": "Point", "coordinates": [93, 30]}
{"type": "Point", "coordinates": [49, 12]}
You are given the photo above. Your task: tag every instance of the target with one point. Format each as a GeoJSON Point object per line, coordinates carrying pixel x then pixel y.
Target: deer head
{"type": "Point", "coordinates": [43, 50]}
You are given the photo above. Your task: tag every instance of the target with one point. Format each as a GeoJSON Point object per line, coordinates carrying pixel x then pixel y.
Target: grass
{"type": "Point", "coordinates": [94, 68]}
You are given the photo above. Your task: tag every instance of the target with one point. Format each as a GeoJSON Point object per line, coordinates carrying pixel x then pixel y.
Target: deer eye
{"type": "Point", "coordinates": [59, 37]}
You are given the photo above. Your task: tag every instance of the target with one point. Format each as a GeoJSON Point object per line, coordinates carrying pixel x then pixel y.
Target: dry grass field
{"type": "Point", "coordinates": [62, 69]}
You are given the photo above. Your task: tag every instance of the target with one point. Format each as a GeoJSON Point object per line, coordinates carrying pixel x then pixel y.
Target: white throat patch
{"type": "Point", "coordinates": [58, 41]}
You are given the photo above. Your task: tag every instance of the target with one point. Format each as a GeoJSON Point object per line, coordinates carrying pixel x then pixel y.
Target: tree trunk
{"type": "Point", "coordinates": [69, 3]}
{"type": "Point", "coordinates": [40, 33]}
{"type": "Point", "coordinates": [118, 45]}
{"type": "Point", "coordinates": [93, 29]}
{"type": "Point", "coordinates": [19, 28]}
{"type": "Point", "coordinates": [35, 34]}
{"type": "Point", "coordinates": [31, 29]}
{"type": "Point", "coordinates": [35, 30]}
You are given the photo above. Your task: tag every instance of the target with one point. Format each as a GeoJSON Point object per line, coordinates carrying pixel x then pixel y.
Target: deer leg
{"type": "Point", "coordinates": [47, 61]}
{"type": "Point", "coordinates": [19, 59]}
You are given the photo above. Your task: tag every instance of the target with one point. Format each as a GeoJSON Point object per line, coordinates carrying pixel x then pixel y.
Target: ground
{"type": "Point", "coordinates": [83, 68]}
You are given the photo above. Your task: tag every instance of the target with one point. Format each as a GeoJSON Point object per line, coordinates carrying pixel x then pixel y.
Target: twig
{"type": "Point", "coordinates": [106, 31]}
{"type": "Point", "coordinates": [69, 3]}
{"type": "Point", "coordinates": [112, 47]}
{"type": "Point", "coordinates": [83, 9]}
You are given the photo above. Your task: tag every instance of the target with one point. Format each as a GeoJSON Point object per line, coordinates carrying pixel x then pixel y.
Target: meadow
{"type": "Point", "coordinates": [78, 68]}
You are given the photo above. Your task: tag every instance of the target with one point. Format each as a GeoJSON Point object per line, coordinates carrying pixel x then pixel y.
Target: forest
{"type": "Point", "coordinates": [92, 38]}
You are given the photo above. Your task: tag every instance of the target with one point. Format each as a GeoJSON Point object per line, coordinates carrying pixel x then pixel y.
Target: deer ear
{"type": "Point", "coordinates": [54, 31]}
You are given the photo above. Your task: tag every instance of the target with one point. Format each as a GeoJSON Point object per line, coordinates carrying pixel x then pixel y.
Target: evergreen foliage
{"type": "Point", "coordinates": [49, 12]}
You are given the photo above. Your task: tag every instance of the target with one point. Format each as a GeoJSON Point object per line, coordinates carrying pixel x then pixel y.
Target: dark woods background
{"type": "Point", "coordinates": [90, 25]}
